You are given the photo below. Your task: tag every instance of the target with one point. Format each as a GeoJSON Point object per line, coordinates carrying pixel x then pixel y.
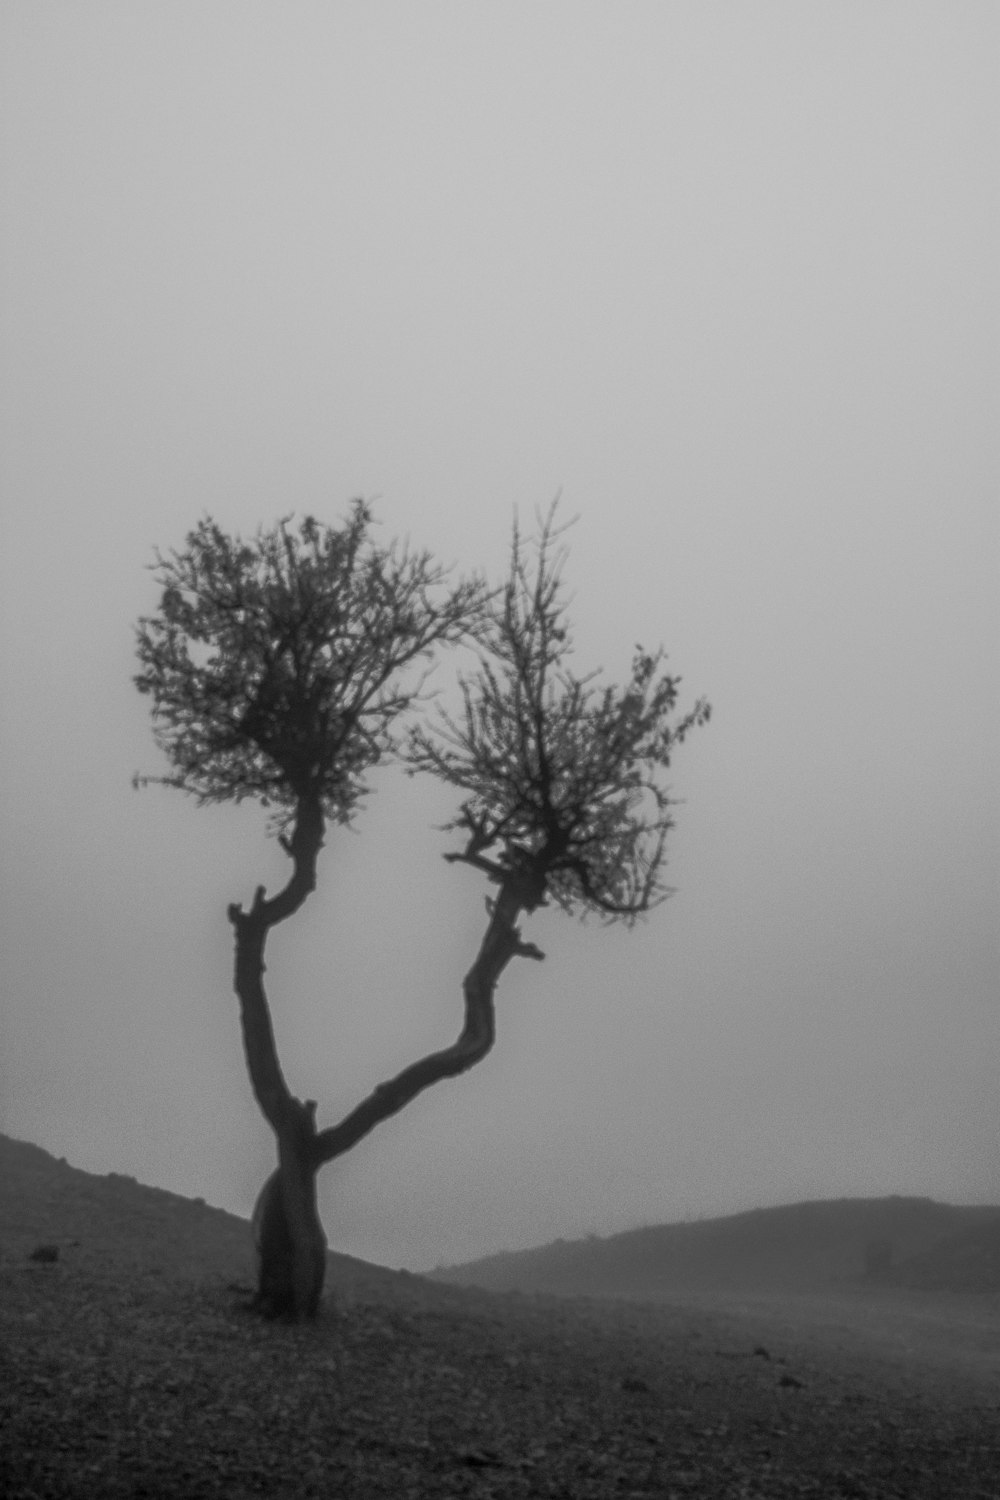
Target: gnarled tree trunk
{"type": "Point", "coordinates": [290, 1243]}
{"type": "Point", "coordinates": [288, 1234]}
{"type": "Point", "coordinates": [291, 1246]}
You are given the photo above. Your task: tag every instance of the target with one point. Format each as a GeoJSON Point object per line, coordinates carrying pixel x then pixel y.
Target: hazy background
{"type": "Point", "coordinates": [725, 274]}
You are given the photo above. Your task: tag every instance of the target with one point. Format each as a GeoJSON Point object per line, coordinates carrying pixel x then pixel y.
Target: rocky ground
{"type": "Point", "coordinates": [129, 1366]}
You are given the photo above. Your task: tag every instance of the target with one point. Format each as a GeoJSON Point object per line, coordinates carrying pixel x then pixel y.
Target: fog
{"type": "Point", "coordinates": [722, 276]}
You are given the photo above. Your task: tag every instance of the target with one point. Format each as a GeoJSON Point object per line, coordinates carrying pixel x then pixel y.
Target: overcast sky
{"type": "Point", "coordinates": [724, 274]}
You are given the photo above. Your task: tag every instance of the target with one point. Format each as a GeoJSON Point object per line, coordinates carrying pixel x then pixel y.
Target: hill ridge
{"type": "Point", "coordinates": [808, 1246]}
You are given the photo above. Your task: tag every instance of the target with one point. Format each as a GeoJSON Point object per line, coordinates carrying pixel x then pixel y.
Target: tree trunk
{"type": "Point", "coordinates": [288, 1234]}
{"type": "Point", "coordinates": [290, 1243]}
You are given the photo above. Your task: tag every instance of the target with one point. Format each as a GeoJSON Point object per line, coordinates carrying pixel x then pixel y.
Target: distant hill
{"type": "Point", "coordinates": [968, 1261]}
{"type": "Point", "coordinates": [800, 1247]}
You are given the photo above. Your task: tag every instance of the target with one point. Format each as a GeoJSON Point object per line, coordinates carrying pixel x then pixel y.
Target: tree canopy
{"type": "Point", "coordinates": [278, 665]}
{"type": "Point", "coordinates": [563, 779]}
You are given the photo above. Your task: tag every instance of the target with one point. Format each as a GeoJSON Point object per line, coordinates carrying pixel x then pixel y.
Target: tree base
{"type": "Point", "coordinates": [290, 1276]}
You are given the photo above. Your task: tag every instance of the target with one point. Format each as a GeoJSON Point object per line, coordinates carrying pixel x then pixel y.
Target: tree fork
{"type": "Point", "coordinates": [291, 1245]}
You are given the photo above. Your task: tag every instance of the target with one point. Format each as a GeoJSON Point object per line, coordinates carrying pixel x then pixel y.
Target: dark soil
{"type": "Point", "coordinates": [129, 1366]}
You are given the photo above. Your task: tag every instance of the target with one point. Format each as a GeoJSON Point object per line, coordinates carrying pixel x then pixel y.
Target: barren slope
{"type": "Point", "coordinates": [129, 1367]}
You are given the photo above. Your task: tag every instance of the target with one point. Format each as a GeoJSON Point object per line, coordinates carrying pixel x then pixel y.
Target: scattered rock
{"type": "Point", "coordinates": [480, 1458]}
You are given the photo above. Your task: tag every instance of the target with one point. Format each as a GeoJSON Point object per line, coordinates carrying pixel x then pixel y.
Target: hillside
{"type": "Point", "coordinates": [130, 1367]}
{"type": "Point", "coordinates": [798, 1248]}
{"type": "Point", "coordinates": [85, 1215]}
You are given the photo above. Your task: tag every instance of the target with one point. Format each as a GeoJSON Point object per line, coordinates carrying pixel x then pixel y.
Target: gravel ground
{"type": "Point", "coordinates": [130, 1366]}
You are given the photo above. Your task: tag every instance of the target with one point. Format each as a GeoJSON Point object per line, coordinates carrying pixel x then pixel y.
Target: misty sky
{"type": "Point", "coordinates": [724, 274]}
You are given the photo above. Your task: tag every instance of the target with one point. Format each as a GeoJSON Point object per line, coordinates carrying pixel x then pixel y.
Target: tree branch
{"type": "Point", "coordinates": [501, 943]}
{"type": "Point", "coordinates": [278, 1105]}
